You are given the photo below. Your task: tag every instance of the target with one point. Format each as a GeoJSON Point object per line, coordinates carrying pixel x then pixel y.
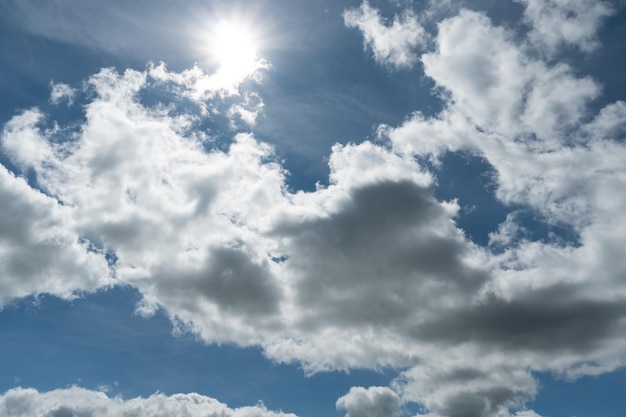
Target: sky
{"type": "Point", "coordinates": [289, 208]}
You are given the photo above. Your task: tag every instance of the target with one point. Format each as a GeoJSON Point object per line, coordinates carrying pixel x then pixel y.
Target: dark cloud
{"type": "Point", "coordinates": [552, 320]}
{"type": "Point", "coordinates": [228, 278]}
{"type": "Point", "coordinates": [482, 403]}
{"type": "Point", "coordinates": [377, 257]}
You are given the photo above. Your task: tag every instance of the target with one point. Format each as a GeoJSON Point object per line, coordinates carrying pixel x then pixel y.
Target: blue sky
{"type": "Point", "coordinates": [333, 208]}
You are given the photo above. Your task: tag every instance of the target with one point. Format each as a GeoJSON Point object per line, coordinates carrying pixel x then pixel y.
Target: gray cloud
{"type": "Point", "coordinates": [376, 256]}
{"type": "Point", "coordinates": [554, 320]}
{"type": "Point", "coordinates": [229, 278]}
{"type": "Point", "coordinates": [39, 252]}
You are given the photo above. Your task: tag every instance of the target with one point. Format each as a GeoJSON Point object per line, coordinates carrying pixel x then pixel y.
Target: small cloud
{"type": "Point", "coordinates": [391, 44]}
{"type": "Point", "coordinates": [60, 92]}
{"type": "Point", "coordinates": [554, 23]}
{"type": "Point", "coordinates": [370, 402]}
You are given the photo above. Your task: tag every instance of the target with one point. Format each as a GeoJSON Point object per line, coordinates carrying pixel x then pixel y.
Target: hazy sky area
{"type": "Point", "coordinates": [289, 208]}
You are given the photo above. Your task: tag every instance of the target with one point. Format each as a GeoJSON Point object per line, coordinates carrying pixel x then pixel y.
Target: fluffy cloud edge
{"type": "Point", "coordinates": [28, 402]}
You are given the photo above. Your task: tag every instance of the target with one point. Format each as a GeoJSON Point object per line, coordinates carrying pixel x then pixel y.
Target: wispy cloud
{"type": "Point", "coordinates": [60, 92]}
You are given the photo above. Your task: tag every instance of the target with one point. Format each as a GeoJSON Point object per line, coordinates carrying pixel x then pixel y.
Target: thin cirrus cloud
{"type": "Point", "coordinates": [369, 271]}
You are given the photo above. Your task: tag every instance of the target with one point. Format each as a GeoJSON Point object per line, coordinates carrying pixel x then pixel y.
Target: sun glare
{"type": "Point", "coordinates": [234, 47]}
{"type": "Point", "coordinates": [229, 46]}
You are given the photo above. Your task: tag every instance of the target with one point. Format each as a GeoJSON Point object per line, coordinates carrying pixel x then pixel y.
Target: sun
{"type": "Point", "coordinates": [233, 46]}
{"type": "Point", "coordinates": [229, 45]}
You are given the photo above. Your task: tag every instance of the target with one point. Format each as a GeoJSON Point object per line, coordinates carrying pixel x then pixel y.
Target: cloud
{"type": "Point", "coordinates": [197, 85]}
{"type": "Point", "coordinates": [60, 92]}
{"type": "Point", "coordinates": [532, 120]}
{"type": "Point", "coordinates": [371, 270]}
{"type": "Point", "coordinates": [511, 106]}
{"type": "Point", "coordinates": [393, 44]}
{"type": "Point", "coordinates": [359, 271]}
{"type": "Point", "coordinates": [39, 252]}
{"type": "Point", "coordinates": [368, 271]}
{"type": "Point", "coordinates": [500, 88]}
{"type": "Point", "coordinates": [75, 401]}
{"type": "Point", "coordinates": [557, 22]}
{"type": "Point", "coordinates": [370, 402]}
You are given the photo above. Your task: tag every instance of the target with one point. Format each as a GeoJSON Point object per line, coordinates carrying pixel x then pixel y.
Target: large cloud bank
{"type": "Point", "coordinates": [371, 270]}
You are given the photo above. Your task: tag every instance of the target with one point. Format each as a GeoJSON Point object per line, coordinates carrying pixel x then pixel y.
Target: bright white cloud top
{"type": "Point", "coordinates": [368, 271]}
{"type": "Point", "coordinates": [77, 401]}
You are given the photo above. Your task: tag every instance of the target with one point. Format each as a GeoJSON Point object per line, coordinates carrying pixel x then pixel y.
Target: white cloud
{"type": "Point", "coordinates": [371, 270]}
{"type": "Point", "coordinates": [39, 252]}
{"type": "Point", "coordinates": [451, 386]}
{"type": "Point", "coordinates": [527, 413]}
{"type": "Point", "coordinates": [370, 402]}
{"type": "Point", "coordinates": [525, 116]}
{"type": "Point", "coordinates": [500, 88]}
{"type": "Point", "coordinates": [530, 120]}
{"type": "Point", "coordinates": [248, 110]}
{"type": "Point", "coordinates": [60, 92]}
{"type": "Point", "coordinates": [75, 401]}
{"type": "Point", "coordinates": [22, 142]}
{"type": "Point", "coordinates": [195, 231]}
{"type": "Point", "coordinates": [557, 22]}
{"type": "Point", "coordinates": [508, 231]}
{"type": "Point", "coordinates": [393, 44]}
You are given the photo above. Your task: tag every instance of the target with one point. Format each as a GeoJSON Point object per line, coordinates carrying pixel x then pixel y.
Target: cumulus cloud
{"type": "Point", "coordinates": [75, 401]}
{"type": "Point", "coordinates": [370, 402]}
{"type": "Point", "coordinates": [199, 231]}
{"type": "Point", "coordinates": [371, 270]}
{"type": "Point", "coordinates": [500, 88]}
{"type": "Point", "coordinates": [571, 22]}
{"type": "Point", "coordinates": [393, 44]}
{"type": "Point", "coordinates": [39, 252]}
{"type": "Point", "coordinates": [532, 121]}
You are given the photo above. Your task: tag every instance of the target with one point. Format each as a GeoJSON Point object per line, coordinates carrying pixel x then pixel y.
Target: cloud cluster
{"type": "Point", "coordinates": [556, 305]}
{"type": "Point", "coordinates": [369, 271]}
{"type": "Point", "coordinates": [75, 401]}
